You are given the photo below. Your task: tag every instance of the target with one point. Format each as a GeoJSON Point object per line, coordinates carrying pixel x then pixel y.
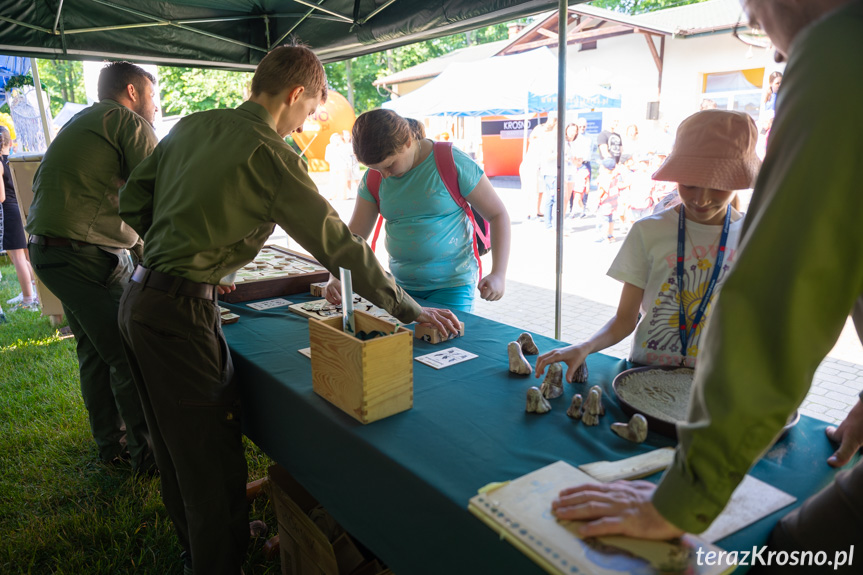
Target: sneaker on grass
{"type": "Point", "coordinates": [17, 299]}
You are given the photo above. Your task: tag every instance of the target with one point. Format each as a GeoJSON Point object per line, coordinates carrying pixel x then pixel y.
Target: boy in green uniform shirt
{"type": "Point", "coordinates": [205, 202]}
{"type": "Point", "coordinates": [79, 247]}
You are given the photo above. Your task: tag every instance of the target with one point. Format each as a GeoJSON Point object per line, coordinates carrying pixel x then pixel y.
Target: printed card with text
{"type": "Point", "coordinates": [269, 304]}
{"type": "Point", "coordinates": [445, 357]}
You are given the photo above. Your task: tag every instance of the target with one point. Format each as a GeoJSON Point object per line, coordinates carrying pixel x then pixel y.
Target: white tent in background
{"type": "Point", "coordinates": [496, 86]}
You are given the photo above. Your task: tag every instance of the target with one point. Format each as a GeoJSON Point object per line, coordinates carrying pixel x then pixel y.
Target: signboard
{"type": "Point", "coordinates": [508, 129]}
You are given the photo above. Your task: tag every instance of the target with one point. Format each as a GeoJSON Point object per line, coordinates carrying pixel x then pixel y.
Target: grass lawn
{"type": "Point", "coordinates": [61, 510]}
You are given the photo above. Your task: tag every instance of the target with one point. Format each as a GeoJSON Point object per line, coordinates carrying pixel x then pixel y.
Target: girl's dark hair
{"type": "Point", "coordinates": [379, 134]}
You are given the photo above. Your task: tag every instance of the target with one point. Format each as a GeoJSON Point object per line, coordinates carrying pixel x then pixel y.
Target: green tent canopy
{"type": "Point", "coordinates": [235, 34]}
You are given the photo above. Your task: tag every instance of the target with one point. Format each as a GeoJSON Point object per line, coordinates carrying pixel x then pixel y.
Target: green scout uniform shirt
{"type": "Point", "coordinates": [207, 199]}
{"type": "Point", "coordinates": [75, 187]}
{"type": "Point", "coordinates": [803, 230]}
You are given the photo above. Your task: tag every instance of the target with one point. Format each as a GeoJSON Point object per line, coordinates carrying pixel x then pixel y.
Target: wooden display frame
{"type": "Point", "coordinates": [279, 286]}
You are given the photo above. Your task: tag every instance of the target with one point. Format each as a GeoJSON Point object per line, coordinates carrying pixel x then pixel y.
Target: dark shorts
{"type": "Point", "coordinates": [13, 229]}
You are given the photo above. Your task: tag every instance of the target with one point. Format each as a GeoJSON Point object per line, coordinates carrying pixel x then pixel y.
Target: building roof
{"type": "Point", "coordinates": [432, 68]}
{"type": "Point", "coordinates": [693, 19]}
{"type": "Point", "coordinates": [689, 20]}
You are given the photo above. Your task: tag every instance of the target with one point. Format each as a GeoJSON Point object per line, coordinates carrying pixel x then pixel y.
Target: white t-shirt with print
{"type": "Point", "coordinates": [648, 260]}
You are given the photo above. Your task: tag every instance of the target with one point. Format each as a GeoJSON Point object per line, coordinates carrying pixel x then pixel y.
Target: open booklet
{"type": "Point", "coordinates": [521, 512]}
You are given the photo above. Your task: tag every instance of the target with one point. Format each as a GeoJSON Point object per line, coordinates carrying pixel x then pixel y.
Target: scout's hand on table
{"type": "Point", "coordinates": [443, 320]}
{"type": "Point", "coordinates": [491, 287]}
{"type": "Point", "coordinates": [226, 289]}
{"type": "Point", "coordinates": [333, 291]}
{"type": "Point", "coordinates": [617, 508]}
{"type": "Point", "coordinates": [849, 436]}
{"type": "Point", "coordinates": [572, 355]}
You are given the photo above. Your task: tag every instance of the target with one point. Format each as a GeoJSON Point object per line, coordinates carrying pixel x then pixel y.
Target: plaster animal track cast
{"type": "Point", "coordinates": [593, 407]}
{"type": "Point", "coordinates": [536, 403]}
{"type": "Point", "coordinates": [574, 410]}
{"type": "Point", "coordinates": [580, 375]}
{"type": "Point", "coordinates": [635, 430]}
{"type": "Point", "coordinates": [517, 363]}
{"type": "Point", "coordinates": [525, 340]}
{"type": "Point", "coordinates": [552, 385]}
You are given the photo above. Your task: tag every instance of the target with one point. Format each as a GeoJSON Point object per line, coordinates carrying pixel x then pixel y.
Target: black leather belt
{"type": "Point", "coordinates": [56, 242]}
{"type": "Point", "coordinates": [174, 285]}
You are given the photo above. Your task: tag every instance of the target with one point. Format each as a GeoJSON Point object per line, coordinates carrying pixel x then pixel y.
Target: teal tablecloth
{"type": "Point", "coordinates": [401, 485]}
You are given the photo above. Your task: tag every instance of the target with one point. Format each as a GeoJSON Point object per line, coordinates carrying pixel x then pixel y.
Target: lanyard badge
{"type": "Point", "coordinates": [687, 335]}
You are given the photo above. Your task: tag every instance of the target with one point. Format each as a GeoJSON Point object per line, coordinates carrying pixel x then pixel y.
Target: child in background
{"type": "Point", "coordinates": [606, 207]}
{"type": "Point", "coordinates": [669, 287]}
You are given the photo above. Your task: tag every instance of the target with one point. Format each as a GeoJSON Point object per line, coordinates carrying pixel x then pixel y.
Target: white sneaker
{"type": "Point", "coordinates": [17, 299]}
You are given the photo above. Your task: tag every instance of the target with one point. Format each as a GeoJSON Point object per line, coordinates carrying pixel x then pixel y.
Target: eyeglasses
{"type": "Point", "coordinates": [749, 32]}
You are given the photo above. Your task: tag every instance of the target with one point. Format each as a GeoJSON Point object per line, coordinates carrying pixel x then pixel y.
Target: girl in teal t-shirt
{"type": "Point", "coordinates": [429, 237]}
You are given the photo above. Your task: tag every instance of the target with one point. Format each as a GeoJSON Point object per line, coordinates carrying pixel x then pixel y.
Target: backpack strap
{"type": "Point", "coordinates": [445, 164]}
{"type": "Point", "coordinates": [373, 183]}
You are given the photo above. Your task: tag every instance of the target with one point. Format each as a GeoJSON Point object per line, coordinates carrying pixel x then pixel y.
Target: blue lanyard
{"type": "Point", "coordinates": [686, 336]}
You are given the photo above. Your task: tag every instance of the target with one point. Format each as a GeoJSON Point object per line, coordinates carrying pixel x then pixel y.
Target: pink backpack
{"type": "Point", "coordinates": [446, 169]}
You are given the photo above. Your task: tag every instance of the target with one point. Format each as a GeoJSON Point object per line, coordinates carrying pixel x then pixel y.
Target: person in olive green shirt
{"type": "Point", "coordinates": [79, 248]}
{"type": "Point", "coordinates": [205, 202]}
{"type": "Point", "coordinates": [797, 278]}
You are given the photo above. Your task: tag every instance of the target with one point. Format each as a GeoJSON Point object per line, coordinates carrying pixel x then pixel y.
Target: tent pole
{"type": "Point", "coordinates": [563, 14]}
{"type": "Point", "coordinates": [37, 84]}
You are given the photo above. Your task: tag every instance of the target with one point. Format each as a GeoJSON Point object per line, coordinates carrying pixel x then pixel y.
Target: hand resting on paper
{"type": "Point", "coordinates": [849, 436]}
{"type": "Point", "coordinates": [617, 508]}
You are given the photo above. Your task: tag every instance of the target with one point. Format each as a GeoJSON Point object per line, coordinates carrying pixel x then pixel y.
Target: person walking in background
{"type": "Point", "coordinates": [773, 83]}
{"type": "Point", "coordinates": [80, 248]}
{"type": "Point", "coordinates": [528, 171]}
{"type": "Point", "coordinates": [797, 278]}
{"type": "Point", "coordinates": [12, 238]}
{"type": "Point", "coordinates": [609, 142]}
{"type": "Point", "coordinates": [673, 263]}
{"type": "Point", "coordinates": [632, 144]}
{"type": "Point", "coordinates": [584, 150]}
{"type": "Point", "coordinates": [547, 141]}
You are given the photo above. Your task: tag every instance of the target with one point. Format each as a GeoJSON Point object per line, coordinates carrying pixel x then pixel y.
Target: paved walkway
{"type": "Point", "coordinates": [590, 297]}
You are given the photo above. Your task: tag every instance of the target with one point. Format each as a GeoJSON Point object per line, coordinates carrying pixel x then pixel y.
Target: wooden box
{"type": "Point", "coordinates": [270, 287]}
{"type": "Point", "coordinates": [432, 335]}
{"type": "Point", "coordinates": [368, 380]}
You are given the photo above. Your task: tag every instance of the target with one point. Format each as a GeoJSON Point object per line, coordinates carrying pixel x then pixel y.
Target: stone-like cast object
{"type": "Point", "coordinates": [592, 407]}
{"type": "Point", "coordinates": [574, 410]}
{"type": "Point", "coordinates": [527, 344]}
{"type": "Point", "coordinates": [536, 403]}
{"type": "Point", "coordinates": [517, 363]}
{"type": "Point", "coordinates": [580, 375]}
{"type": "Point", "coordinates": [599, 392]}
{"type": "Point", "coordinates": [552, 385]}
{"type": "Point", "coordinates": [635, 430]}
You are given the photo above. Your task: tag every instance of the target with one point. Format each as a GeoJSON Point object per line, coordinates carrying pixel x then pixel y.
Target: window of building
{"type": "Point", "coordinates": [738, 90]}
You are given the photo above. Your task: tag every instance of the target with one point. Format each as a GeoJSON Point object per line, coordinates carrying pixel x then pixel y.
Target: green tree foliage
{"type": "Point", "coordinates": [187, 90]}
{"type": "Point", "coordinates": [63, 81]}
{"type": "Point", "coordinates": [639, 6]}
{"type": "Point", "coordinates": [366, 69]}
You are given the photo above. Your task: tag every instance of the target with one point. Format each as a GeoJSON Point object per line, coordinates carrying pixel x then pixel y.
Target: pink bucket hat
{"type": "Point", "coordinates": [714, 149]}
